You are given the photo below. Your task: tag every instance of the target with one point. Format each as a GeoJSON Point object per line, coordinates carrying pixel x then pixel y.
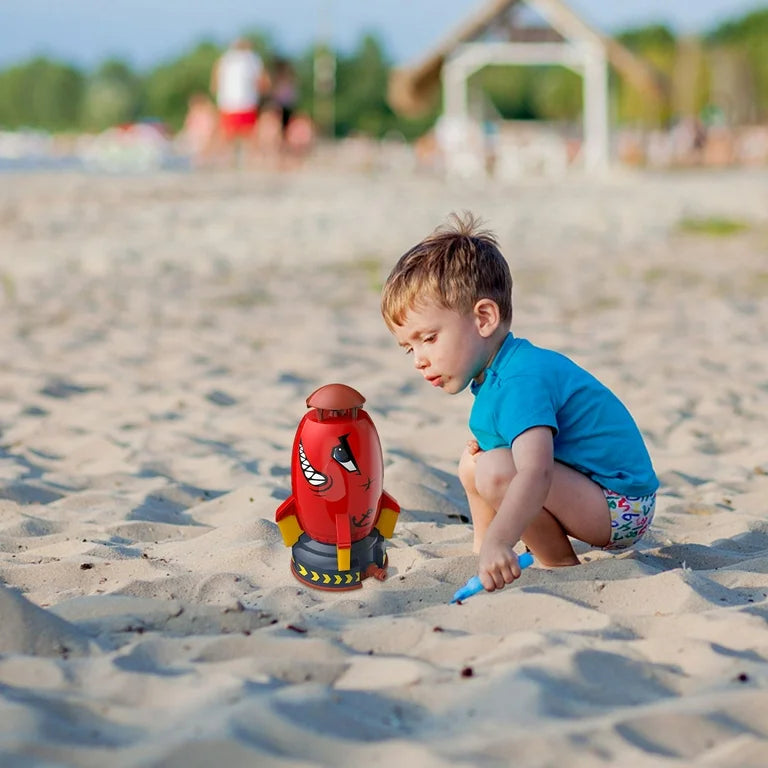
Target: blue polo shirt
{"type": "Point", "coordinates": [527, 386]}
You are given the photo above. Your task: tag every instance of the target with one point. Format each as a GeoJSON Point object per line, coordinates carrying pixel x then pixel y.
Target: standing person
{"type": "Point", "coordinates": [284, 92]}
{"type": "Point", "coordinates": [277, 113]}
{"type": "Point", "coordinates": [237, 82]}
{"type": "Point", "coordinates": [555, 453]}
{"type": "Point", "coordinates": [199, 130]}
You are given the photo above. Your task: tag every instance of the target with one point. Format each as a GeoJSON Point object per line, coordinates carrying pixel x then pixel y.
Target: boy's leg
{"type": "Point", "coordinates": [575, 506]}
{"type": "Point", "coordinates": [482, 512]}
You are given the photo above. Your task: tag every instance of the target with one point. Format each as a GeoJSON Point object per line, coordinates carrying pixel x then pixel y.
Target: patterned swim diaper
{"type": "Point", "coordinates": [630, 517]}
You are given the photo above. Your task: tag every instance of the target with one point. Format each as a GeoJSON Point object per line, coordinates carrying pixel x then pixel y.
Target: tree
{"type": "Point", "coordinates": [531, 93]}
{"type": "Point", "coordinates": [508, 88]}
{"type": "Point", "coordinates": [41, 94]}
{"type": "Point", "coordinates": [113, 96]}
{"type": "Point", "coordinates": [168, 87]}
{"type": "Point", "coordinates": [656, 44]}
{"type": "Point", "coordinates": [361, 87]}
{"type": "Point", "coordinates": [740, 48]}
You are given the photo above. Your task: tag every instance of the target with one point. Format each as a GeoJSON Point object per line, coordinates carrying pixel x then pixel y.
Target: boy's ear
{"type": "Point", "coordinates": [487, 317]}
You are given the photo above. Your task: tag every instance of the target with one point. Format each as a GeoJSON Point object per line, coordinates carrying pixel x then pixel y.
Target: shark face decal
{"type": "Point", "coordinates": [341, 453]}
{"type": "Point", "coordinates": [314, 478]}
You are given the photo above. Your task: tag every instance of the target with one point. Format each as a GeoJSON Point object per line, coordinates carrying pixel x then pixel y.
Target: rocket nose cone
{"type": "Point", "coordinates": [335, 397]}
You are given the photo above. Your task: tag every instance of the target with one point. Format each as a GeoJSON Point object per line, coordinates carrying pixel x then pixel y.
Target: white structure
{"type": "Point", "coordinates": [564, 40]}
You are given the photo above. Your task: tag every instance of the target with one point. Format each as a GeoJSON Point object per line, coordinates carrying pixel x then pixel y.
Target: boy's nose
{"type": "Point", "coordinates": [420, 362]}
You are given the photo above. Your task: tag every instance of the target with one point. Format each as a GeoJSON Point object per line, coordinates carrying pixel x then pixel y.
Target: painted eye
{"type": "Point", "coordinates": [342, 454]}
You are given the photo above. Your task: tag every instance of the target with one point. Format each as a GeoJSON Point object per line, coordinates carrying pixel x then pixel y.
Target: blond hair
{"type": "Point", "coordinates": [455, 266]}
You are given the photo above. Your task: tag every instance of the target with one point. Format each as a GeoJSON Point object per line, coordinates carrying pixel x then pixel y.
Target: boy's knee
{"type": "Point", "coordinates": [493, 474]}
{"type": "Point", "coordinates": [467, 468]}
{"type": "Point", "coordinates": [492, 486]}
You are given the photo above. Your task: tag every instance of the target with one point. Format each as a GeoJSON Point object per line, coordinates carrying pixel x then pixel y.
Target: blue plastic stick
{"type": "Point", "coordinates": [474, 585]}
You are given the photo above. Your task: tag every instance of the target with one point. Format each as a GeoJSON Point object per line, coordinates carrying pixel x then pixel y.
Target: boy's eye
{"type": "Point", "coordinates": [407, 350]}
{"type": "Point", "coordinates": [428, 339]}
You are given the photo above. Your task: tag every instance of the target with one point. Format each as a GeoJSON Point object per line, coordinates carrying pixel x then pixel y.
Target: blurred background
{"type": "Point", "coordinates": [127, 85]}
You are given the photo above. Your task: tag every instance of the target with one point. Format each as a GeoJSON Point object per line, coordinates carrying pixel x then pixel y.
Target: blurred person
{"type": "Point", "coordinates": [198, 133]}
{"type": "Point", "coordinates": [284, 92]}
{"type": "Point", "coordinates": [238, 81]}
{"type": "Point", "coordinates": [299, 138]}
{"type": "Point", "coordinates": [269, 136]}
{"type": "Point", "coordinates": [276, 114]}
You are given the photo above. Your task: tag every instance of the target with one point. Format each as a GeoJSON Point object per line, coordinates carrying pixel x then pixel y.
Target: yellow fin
{"type": "Point", "coordinates": [386, 522]}
{"type": "Point", "coordinates": [291, 530]}
{"type": "Point", "coordinates": [342, 558]}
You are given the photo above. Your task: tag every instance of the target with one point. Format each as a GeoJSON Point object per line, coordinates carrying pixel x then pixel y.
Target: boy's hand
{"type": "Point", "coordinates": [498, 563]}
{"type": "Point", "coordinates": [473, 447]}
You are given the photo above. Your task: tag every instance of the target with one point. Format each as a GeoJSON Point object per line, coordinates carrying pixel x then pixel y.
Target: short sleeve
{"type": "Point", "coordinates": [524, 402]}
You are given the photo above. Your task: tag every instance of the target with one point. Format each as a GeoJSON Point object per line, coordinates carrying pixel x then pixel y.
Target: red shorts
{"type": "Point", "coordinates": [238, 123]}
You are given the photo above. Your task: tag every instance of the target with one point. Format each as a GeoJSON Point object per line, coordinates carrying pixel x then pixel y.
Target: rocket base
{"type": "Point", "coordinates": [315, 564]}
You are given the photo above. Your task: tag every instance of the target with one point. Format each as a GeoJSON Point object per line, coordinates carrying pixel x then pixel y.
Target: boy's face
{"type": "Point", "coordinates": [449, 349]}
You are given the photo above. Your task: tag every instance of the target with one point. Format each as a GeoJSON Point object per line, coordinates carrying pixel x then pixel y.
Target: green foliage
{"type": "Point", "coordinates": [41, 94]}
{"type": "Point", "coordinates": [559, 93]}
{"type": "Point", "coordinates": [747, 38]}
{"type": "Point", "coordinates": [412, 128]}
{"type": "Point", "coordinates": [653, 36]}
{"type": "Point", "coordinates": [169, 87]}
{"type": "Point", "coordinates": [657, 45]}
{"type": "Point", "coordinates": [113, 95]}
{"type": "Point", "coordinates": [530, 93]}
{"type": "Point", "coordinates": [361, 88]}
{"type": "Point", "coordinates": [509, 89]}
{"type": "Point", "coordinates": [305, 74]}
{"type": "Point", "coordinates": [752, 26]}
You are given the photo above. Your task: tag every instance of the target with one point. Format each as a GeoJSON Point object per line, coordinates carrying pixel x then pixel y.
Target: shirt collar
{"type": "Point", "coordinates": [505, 350]}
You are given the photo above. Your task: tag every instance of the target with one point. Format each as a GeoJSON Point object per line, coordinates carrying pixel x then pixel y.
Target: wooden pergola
{"type": "Point", "coordinates": [498, 34]}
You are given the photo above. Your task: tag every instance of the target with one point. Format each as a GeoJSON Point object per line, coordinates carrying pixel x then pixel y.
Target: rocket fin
{"type": "Point", "coordinates": [343, 542]}
{"type": "Point", "coordinates": [388, 514]}
{"type": "Point", "coordinates": [287, 522]}
{"type": "Point", "coordinates": [343, 558]}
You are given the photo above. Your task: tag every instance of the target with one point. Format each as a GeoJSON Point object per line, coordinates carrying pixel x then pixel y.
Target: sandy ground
{"type": "Point", "coordinates": [158, 338]}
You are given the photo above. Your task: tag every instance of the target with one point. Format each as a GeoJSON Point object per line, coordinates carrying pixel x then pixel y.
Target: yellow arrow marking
{"type": "Point", "coordinates": [326, 578]}
{"type": "Point", "coordinates": [315, 576]}
{"type": "Point", "coordinates": [336, 579]}
{"type": "Point", "coordinates": [302, 570]}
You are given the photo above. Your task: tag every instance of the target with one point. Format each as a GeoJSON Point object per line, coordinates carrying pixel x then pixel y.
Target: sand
{"type": "Point", "coordinates": [159, 336]}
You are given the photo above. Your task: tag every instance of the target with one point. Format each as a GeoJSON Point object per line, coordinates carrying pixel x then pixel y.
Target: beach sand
{"type": "Point", "coordinates": [159, 337]}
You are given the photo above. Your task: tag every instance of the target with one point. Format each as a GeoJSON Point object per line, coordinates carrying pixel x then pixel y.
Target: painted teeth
{"type": "Point", "coordinates": [313, 476]}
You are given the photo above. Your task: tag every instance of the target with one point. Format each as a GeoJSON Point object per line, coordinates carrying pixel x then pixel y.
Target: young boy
{"type": "Point", "coordinates": [555, 453]}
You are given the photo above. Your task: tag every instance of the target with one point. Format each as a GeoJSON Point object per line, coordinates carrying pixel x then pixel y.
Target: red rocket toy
{"type": "Point", "coordinates": [339, 514]}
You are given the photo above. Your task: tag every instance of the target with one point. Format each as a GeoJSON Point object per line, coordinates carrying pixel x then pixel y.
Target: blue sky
{"type": "Point", "coordinates": [146, 32]}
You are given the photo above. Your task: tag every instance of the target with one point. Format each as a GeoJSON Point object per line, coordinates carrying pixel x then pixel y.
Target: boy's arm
{"type": "Point", "coordinates": [532, 452]}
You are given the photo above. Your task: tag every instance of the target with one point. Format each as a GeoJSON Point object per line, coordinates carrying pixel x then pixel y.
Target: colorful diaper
{"type": "Point", "coordinates": [630, 517]}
